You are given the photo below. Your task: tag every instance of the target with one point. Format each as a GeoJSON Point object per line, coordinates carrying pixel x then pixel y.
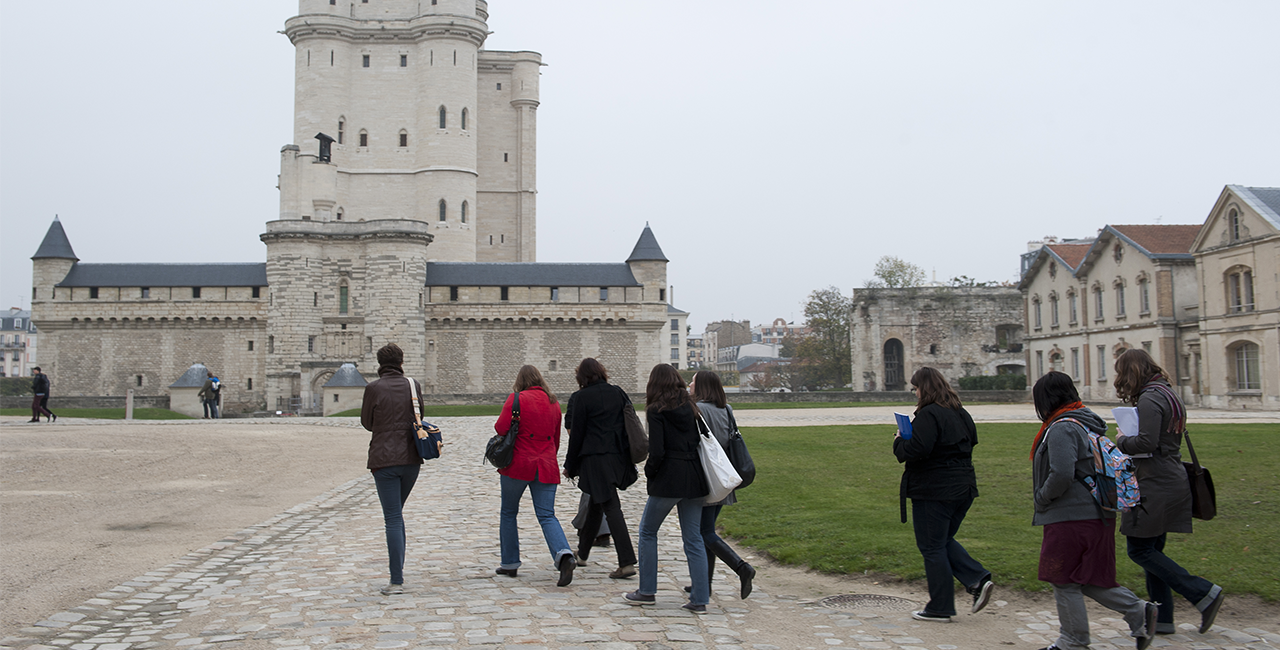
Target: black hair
{"type": "Point", "coordinates": [1053, 391]}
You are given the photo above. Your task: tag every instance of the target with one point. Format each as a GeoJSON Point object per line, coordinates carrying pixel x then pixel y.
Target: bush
{"type": "Point", "coordinates": [12, 386]}
{"type": "Point", "coordinates": [998, 382]}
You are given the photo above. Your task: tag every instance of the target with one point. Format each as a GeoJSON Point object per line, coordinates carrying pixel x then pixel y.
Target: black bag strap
{"type": "Point", "coordinates": [733, 424]}
{"type": "Point", "coordinates": [1195, 462]}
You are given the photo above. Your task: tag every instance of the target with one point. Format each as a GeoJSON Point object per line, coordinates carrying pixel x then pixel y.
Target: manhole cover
{"type": "Point", "coordinates": [874, 602]}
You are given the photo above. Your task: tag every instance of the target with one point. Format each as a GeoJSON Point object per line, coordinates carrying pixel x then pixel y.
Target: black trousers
{"type": "Point", "coordinates": [610, 511]}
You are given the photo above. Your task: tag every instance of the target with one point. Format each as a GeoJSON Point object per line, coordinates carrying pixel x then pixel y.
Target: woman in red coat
{"type": "Point", "coordinates": [533, 466]}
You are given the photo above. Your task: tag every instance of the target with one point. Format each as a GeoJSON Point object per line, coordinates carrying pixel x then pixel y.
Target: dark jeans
{"type": "Point", "coordinates": [394, 484]}
{"type": "Point", "coordinates": [611, 511]}
{"type": "Point", "coordinates": [936, 523]}
{"type": "Point", "coordinates": [717, 547]}
{"type": "Point", "coordinates": [38, 409]}
{"type": "Point", "coordinates": [1164, 577]}
{"type": "Point", "coordinates": [211, 408]}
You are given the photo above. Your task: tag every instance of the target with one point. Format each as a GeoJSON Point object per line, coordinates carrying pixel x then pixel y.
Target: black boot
{"type": "Point", "coordinates": [746, 573]}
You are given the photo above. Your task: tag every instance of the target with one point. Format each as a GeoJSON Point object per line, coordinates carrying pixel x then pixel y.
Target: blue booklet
{"type": "Point", "coordinates": [904, 425]}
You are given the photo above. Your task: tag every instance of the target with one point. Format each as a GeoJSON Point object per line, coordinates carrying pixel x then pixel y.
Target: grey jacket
{"type": "Point", "coordinates": [718, 421]}
{"type": "Point", "coordinates": [1162, 481]}
{"type": "Point", "coordinates": [1062, 459]}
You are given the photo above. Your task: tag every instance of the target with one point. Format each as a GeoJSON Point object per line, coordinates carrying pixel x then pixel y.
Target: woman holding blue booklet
{"type": "Point", "coordinates": [940, 481]}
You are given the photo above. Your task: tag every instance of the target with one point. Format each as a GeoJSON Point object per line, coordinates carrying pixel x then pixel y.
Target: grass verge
{"type": "Point", "coordinates": [107, 414]}
{"type": "Point", "coordinates": [827, 498]}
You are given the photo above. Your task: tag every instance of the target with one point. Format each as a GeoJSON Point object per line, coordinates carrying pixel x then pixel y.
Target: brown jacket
{"type": "Point", "coordinates": [387, 411]}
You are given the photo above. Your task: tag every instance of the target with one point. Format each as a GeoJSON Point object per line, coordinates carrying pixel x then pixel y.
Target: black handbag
{"type": "Point", "coordinates": [637, 438]}
{"type": "Point", "coordinates": [501, 450]}
{"type": "Point", "coordinates": [426, 436]}
{"type": "Point", "coordinates": [1204, 499]}
{"type": "Point", "coordinates": [738, 454]}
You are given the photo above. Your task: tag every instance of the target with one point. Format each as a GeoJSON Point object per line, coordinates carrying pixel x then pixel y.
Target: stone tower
{"type": "Point", "coordinates": [51, 263]}
{"type": "Point", "coordinates": [412, 145]}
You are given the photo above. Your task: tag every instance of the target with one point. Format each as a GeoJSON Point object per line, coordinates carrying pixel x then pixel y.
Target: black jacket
{"type": "Point", "coordinates": [40, 384]}
{"type": "Point", "coordinates": [387, 411]}
{"type": "Point", "coordinates": [939, 456]}
{"type": "Point", "coordinates": [674, 469]}
{"type": "Point", "coordinates": [594, 420]}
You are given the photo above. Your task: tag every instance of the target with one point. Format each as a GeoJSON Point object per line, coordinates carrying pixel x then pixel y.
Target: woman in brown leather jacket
{"type": "Point", "coordinates": [387, 411]}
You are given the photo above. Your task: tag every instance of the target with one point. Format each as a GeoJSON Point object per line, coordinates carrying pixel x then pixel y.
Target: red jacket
{"type": "Point", "coordinates": [539, 438]}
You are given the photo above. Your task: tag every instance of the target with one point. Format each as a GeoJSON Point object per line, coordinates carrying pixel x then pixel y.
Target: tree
{"type": "Point", "coordinates": [765, 380]}
{"type": "Point", "coordinates": [893, 273]}
{"type": "Point", "coordinates": [966, 281]}
{"type": "Point", "coordinates": [825, 352]}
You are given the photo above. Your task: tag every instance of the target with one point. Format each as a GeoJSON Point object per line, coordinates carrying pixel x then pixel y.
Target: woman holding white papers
{"type": "Point", "coordinates": [1162, 482]}
{"type": "Point", "coordinates": [940, 481]}
{"type": "Point", "coordinates": [1078, 551]}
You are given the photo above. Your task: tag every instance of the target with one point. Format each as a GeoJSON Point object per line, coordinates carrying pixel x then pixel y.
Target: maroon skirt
{"type": "Point", "coordinates": [1079, 552]}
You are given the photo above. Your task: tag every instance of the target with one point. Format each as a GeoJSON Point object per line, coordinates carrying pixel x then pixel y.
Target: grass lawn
{"type": "Point", "coordinates": [107, 414]}
{"type": "Point", "coordinates": [827, 497]}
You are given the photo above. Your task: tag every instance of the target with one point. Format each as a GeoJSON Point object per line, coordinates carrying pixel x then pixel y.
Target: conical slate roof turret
{"type": "Point", "coordinates": [647, 249]}
{"type": "Point", "coordinates": [193, 378]}
{"type": "Point", "coordinates": [55, 244]}
{"type": "Point", "coordinates": [346, 377]}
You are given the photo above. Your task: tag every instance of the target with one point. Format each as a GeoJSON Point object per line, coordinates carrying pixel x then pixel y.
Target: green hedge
{"type": "Point", "coordinates": [998, 382]}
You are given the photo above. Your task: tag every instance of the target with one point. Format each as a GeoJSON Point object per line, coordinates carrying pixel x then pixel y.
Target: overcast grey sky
{"type": "Point", "coordinates": [774, 147]}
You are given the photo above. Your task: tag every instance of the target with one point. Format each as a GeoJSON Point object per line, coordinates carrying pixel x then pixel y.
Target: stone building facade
{"type": "Point", "coordinates": [1132, 286]}
{"type": "Point", "coordinates": [407, 214]}
{"type": "Point", "coordinates": [18, 338]}
{"type": "Point", "coordinates": [1233, 359]}
{"type": "Point", "coordinates": [960, 331]}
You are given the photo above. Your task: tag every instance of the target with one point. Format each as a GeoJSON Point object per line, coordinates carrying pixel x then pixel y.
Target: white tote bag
{"type": "Point", "coordinates": [721, 475]}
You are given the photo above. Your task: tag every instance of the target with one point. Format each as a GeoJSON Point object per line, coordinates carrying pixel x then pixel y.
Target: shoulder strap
{"type": "Point", "coordinates": [733, 424]}
{"type": "Point", "coordinates": [515, 405]}
{"type": "Point", "coordinates": [415, 397]}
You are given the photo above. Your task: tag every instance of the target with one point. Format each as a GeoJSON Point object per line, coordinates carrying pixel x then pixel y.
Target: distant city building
{"type": "Point", "coordinates": [737, 357]}
{"type": "Point", "coordinates": [17, 343]}
{"type": "Point", "coordinates": [1132, 286]}
{"type": "Point", "coordinates": [724, 334]}
{"type": "Point", "coordinates": [695, 352]}
{"type": "Point", "coordinates": [779, 330]}
{"type": "Point", "coordinates": [961, 332]}
{"type": "Point", "coordinates": [677, 335]}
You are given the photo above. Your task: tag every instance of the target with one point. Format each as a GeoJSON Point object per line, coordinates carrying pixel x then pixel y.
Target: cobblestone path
{"type": "Point", "coordinates": [308, 578]}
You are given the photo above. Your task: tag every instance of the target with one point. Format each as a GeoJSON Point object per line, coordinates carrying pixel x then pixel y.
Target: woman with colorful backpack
{"type": "Point", "coordinates": [1166, 493]}
{"type": "Point", "coordinates": [1078, 550]}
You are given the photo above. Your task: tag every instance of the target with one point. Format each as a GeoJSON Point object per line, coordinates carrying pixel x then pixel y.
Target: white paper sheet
{"type": "Point", "coordinates": [1126, 420]}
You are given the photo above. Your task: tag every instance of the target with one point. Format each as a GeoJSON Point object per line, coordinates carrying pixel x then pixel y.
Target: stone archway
{"type": "Point", "coordinates": [893, 365]}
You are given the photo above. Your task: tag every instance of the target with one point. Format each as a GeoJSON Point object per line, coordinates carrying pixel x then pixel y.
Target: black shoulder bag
{"type": "Point", "coordinates": [501, 449]}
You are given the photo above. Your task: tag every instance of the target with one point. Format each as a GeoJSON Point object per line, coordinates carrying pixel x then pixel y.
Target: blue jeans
{"type": "Point", "coordinates": [936, 524]}
{"type": "Point", "coordinates": [1164, 576]}
{"type": "Point", "coordinates": [394, 484]}
{"type": "Point", "coordinates": [211, 408]}
{"type": "Point", "coordinates": [690, 512]}
{"type": "Point", "coordinates": [544, 506]}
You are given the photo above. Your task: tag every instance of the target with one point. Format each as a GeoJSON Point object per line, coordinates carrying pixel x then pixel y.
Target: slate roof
{"type": "Point", "coordinates": [647, 248]}
{"type": "Point", "coordinates": [251, 274]}
{"type": "Point", "coordinates": [673, 310]}
{"type": "Point", "coordinates": [529, 274]}
{"type": "Point", "coordinates": [55, 244]}
{"type": "Point", "coordinates": [346, 377]}
{"type": "Point", "coordinates": [193, 378]}
{"type": "Point", "coordinates": [1264, 200]}
{"type": "Point", "coordinates": [1160, 240]}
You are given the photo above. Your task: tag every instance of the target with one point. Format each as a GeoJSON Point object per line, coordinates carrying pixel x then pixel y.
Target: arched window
{"type": "Point", "coordinates": [464, 212]}
{"type": "Point", "coordinates": [364, 138]}
{"type": "Point", "coordinates": [444, 208]}
{"type": "Point", "coordinates": [342, 129]}
{"type": "Point", "coordinates": [1119, 287]}
{"type": "Point", "coordinates": [1097, 302]}
{"type": "Point", "coordinates": [1056, 360]}
{"type": "Point", "coordinates": [1072, 311]}
{"type": "Point", "coordinates": [1035, 312]}
{"type": "Point", "coordinates": [343, 297]}
{"type": "Point", "coordinates": [404, 138]}
{"type": "Point", "coordinates": [1244, 358]}
{"type": "Point", "coordinates": [893, 370]}
{"type": "Point", "coordinates": [443, 114]}
{"type": "Point", "coordinates": [1144, 294]}
{"type": "Point", "coordinates": [1053, 309]}
{"type": "Point", "coordinates": [339, 214]}
{"type": "Point", "coordinates": [1233, 224]}
{"type": "Point", "coordinates": [1239, 281]}
{"type": "Point", "coordinates": [464, 119]}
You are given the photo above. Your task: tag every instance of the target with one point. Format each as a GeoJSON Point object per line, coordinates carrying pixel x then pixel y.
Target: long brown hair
{"type": "Point", "coordinates": [707, 388]}
{"type": "Point", "coordinates": [932, 388]}
{"type": "Point", "coordinates": [530, 376]}
{"type": "Point", "coordinates": [666, 389]}
{"type": "Point", "coordinates": [1134, 369]}
{"type": "Point", "coordinates": [590, 371]}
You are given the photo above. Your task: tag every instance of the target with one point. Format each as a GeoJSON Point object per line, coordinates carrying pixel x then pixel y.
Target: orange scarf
{"type": "Point", "coordinates": [1049, 420]}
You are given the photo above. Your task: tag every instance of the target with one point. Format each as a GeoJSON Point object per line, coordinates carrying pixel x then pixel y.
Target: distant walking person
{"type": "Point", "coordinates": [39, 404]}
{"type": "Point", "coordinates": [209, 395]}
{"type": "Point", "coordinates": [1078, 552]}
{"type": "Point", "coordinates": [599, 456]}
{"type": "Point", "coordinates": [1162, 482]}
{"type": "Point", "coordinates": [675, 480]}
{"type": "Point", "coordinates": [708, 392]}
{"type": "Point", "coordinates": [387, 412]}
{"type": "Point", "coordinates": [534, 468]}
{"type": "Point", "coordinates": [940, 481]}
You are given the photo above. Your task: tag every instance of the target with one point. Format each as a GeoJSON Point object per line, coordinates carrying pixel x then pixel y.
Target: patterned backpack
{"type": "Point", "coordinates": [1114, 484]}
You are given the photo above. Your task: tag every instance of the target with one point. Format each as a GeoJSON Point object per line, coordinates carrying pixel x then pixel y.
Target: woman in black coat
{"type": "Point", "coordinates": [1166, 494]}
{"type": "Point", "coordinates": [599, 456]}
{"type": "Point", "coordinates": [941, 484]}
{"type": "Point", "coordinates": [675, 480]}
